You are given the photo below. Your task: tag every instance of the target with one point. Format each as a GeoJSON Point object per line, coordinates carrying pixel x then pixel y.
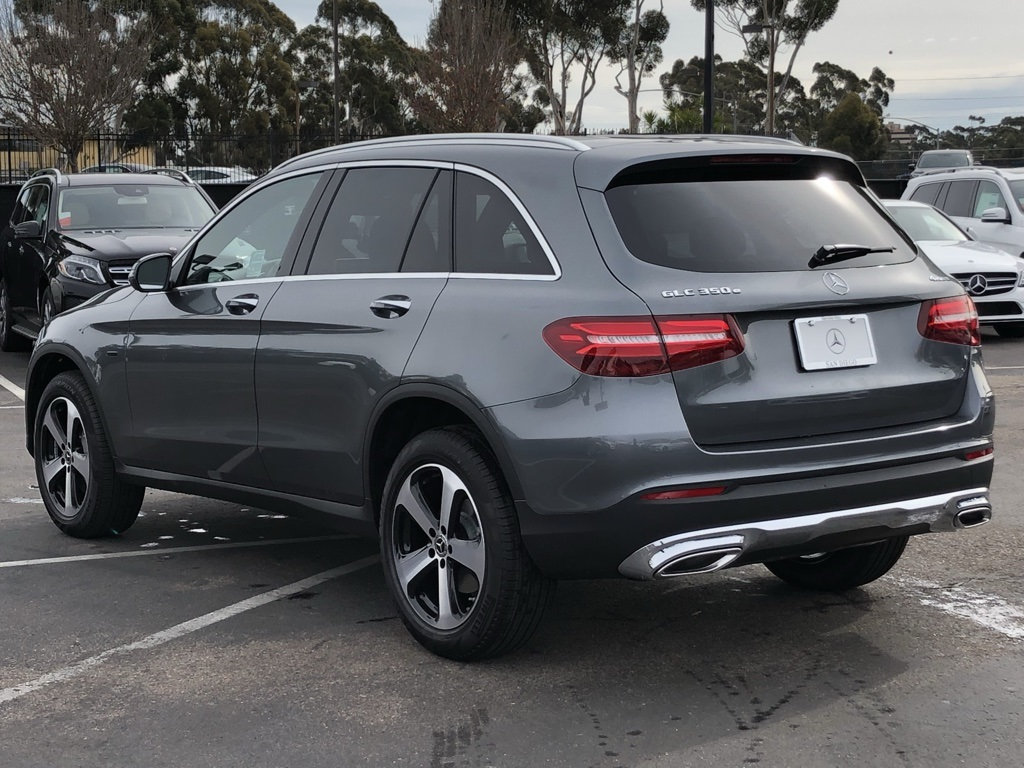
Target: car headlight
{"type": "Point", "coordinates": [82, 268]}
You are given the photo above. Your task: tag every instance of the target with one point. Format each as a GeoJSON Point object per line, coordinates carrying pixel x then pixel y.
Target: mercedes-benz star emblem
{"type": "Point", "coordinates": [835, 283]}
{"type": "Point", "coordinates": [836, 341]}
{"type": "Point", "coordinates": [977, 285]}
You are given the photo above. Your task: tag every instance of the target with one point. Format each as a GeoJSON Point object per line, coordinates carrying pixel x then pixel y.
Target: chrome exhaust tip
{"type": "Point", "coordinates": [972, 512]}
{"type": "Point", "coordinates": [706, 561]}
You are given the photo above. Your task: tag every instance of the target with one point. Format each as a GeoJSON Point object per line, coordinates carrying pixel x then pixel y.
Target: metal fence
{"type": "Point", "coordinates": [209, 158]}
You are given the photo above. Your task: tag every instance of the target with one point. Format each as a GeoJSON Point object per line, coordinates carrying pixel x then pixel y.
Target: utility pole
{"type": "Point", "coordinates": [709, 66]}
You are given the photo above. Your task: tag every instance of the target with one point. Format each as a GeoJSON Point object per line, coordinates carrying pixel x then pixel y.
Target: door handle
{"type": "Point", "coordinates": [243, 305]}
{"type": "Point", "coordinates": [390, 307]}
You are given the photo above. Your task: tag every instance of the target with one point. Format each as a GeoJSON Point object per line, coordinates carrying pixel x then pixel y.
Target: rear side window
{"type": "Point", "coordinates": [959, 198]}
{"type": "Point", "coordinates": [926, 193]}
{"type": "Point", "coordinates": [370, 221]}
{"type": "Point", "coordinates": [750, 225]}
{"type": "Point", "coordinates": [491, 235]}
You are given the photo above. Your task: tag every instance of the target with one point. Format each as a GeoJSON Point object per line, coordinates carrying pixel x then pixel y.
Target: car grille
{"type": "Point", "coordinates": [987, 283]}
{"type": "Point", "coordinates": [119, 272]}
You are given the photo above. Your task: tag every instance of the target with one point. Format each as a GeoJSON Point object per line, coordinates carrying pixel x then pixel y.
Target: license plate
{"type": "Point", "coordinates": [840, 341]}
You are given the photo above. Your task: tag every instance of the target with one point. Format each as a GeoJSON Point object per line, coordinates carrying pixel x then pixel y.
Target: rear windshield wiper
{"type": "Point", "coordinates": [830, 254]}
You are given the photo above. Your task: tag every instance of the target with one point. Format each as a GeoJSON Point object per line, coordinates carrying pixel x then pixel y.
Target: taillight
{"type": "Point", "coordinates": [954, 321]}
{"type": "Point", "coordinates": [643, 346]}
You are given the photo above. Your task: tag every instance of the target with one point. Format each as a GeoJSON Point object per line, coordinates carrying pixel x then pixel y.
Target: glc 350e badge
{"type": "Point", "coordinates": [720, 291]}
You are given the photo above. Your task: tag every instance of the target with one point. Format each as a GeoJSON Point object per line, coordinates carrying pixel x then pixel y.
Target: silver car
{"type": "Point", "coordinates": [522, 358]}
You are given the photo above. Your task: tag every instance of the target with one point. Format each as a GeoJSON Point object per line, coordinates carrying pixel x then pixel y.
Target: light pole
{"type": "Point", "coordinates": [334, 61]}
{"type": "Point", "coordinates": [709, 65]}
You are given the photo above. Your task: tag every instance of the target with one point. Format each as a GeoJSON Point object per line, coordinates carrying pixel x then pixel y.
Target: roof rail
{"type": "Point", "coordinates": [174, 173]}
{"type": "Point", "coordinates": [48, 172]}
{"type": "Point", "coordinates": [965, 170]}
{"type": "Point", "coordinates": [434, 139]}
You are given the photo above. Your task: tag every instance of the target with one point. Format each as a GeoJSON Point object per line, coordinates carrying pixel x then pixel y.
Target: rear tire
{"type": "Point", "coordinates": [843, 569]}
{"type": "Point", "coordinates": [10, 341]}
{"type": "Point", "coordinates": [453, 557]}
{"type": "Point", "coordinates": [83, 495]}
{"type": "Point", "coordinates": [1010, 330]}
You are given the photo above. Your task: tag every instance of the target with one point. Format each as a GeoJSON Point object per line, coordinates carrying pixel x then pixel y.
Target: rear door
{"type": "Point", "coordinates": [827, 350]}
{"type": "Point", "coordinates": [337, 338]}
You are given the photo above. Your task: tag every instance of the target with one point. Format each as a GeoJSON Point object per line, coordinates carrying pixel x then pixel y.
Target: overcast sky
{"type": "Point", "coordinates": [950, 59]}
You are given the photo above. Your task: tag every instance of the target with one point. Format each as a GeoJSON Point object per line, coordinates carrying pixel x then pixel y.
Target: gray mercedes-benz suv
{"type": "Point", "coordinates": [521, 358]}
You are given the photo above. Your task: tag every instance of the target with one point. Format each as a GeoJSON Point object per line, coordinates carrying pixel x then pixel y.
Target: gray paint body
{"type": "Point", "coordinates": [277, 407]}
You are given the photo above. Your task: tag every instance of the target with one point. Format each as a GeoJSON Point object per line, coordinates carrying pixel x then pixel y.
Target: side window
{"type": "Point", "coordinates": [20, 212]}
{"type": "Point", "coordinates": [491, 236]}
{"type": "Point", "coordinates": [370, 221]}
{"type": "Point", "coordinates": [989, 196]}
{"type": "Point", "coordinates": [926, 193]}
{"type": "Point", "coordinates": [430, 247]}
{"type": "Point", "coordinates": [251, 239]}
{"type": "Point", "coordinates": [959, 198]}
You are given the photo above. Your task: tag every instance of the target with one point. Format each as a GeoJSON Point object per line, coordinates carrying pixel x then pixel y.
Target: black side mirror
{"type": "Point", "coordinates": [28, 230]}
{"type": "Point", "coordinates": [151, 274]}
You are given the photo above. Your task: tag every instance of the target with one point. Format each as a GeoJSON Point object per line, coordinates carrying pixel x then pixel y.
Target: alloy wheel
{"type": "Point", "coordinates": [438, 546]}
{"type": "Point", "coordinates": [64, 457]}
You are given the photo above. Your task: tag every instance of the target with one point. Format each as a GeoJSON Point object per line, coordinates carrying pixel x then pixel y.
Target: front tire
{"type": "Point", "coordinates": [843, 569]}
{"type": "Point", "coordinates": [1010, 330]}
{"type": "Point", "coordinates": [453, 557]}
{"type": "Point", "coordinates": [74, 466]}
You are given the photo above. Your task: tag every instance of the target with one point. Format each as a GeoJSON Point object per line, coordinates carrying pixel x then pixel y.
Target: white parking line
{"type": "Point", "coordinates": [165, 551]}
{"type": "Point", "coordinates": [1004, 367]}
{"type": "Point", "coordinates": [11, 387]}
{"type": "Point", "coordinates": [180, 630]}
{"type": "Point", "coordinates": [11, 407]}
{"type": "Point", "coordinates": [989, 611]}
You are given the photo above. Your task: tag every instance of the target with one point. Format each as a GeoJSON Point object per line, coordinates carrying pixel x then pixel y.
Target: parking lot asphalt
{"type": "Point", "coordinates": [212, 635]}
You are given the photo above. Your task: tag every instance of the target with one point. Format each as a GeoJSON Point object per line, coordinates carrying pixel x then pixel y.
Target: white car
{"type": "Point", "coordinates": [987, 203]}
{"type": "Point", "coordinates": [993, 278]}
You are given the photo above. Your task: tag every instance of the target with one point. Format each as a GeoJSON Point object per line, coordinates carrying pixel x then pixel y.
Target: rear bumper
{"type": "Point", "coordinates": [759, 521]}
{"type": "Point", "coordinates": [716, 548]}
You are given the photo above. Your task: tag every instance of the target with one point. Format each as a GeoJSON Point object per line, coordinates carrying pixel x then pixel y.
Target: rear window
{"type": "Point", "coordinates": [750, 225]}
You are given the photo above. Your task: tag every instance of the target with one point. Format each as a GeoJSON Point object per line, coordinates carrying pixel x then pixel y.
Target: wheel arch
{"type": "Point", "coordinates": [42, 371]}
{"type": "Point", "coordinates": [412, 409]}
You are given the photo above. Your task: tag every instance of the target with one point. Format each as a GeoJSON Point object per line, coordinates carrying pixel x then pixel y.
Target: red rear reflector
{"type": "Point", "coordinates": [972, 455]}
{"type": "Point", "coordinates": [954, 321]}
{"type": "Point", "coordinates": [643, 346]}
{"type": "Point", "coordinates": [684, 493]}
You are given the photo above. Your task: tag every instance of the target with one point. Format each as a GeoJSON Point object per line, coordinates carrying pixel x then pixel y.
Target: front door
{"type": "Point", "coordinates": [191, 349]}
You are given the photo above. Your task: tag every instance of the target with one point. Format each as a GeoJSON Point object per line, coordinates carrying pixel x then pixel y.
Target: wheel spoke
{"type": "Point", "coordinates": [469, 554]}
{"type": "Point", "coordinates": [451, 485]}
{"type": "Point", "coordinates": [446, 619]}
{"type": "Point", "coordinates": [51, 469]}
{"type": "Point", "coordinates": [69, 484]}
{"type": "Point", "coordinates": [50, 424]}
{"type": "Point", "coordinates": [73, 420]}
{"type": "Point", "coordinates": [412, 565]}
{"type": "Point", "coordinates": [409, 498]}
{"type": "Point", "coordinates": [80, 463]}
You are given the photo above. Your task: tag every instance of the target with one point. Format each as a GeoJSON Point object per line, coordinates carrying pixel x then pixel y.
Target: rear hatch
{"type": "Point", "coordinates": [830, 349]}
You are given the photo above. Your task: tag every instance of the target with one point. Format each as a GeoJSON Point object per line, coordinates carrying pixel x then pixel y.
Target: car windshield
{"type": "Point", "coordinates": [132, 206]}
{"type": "Point", "coordinates": [924, 224]}
{"type": "Point", "coordinates": [943, 160]}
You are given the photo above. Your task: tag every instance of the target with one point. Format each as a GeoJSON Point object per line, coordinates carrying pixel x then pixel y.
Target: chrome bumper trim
{"type": "Point", "coordinates": [712, 549]}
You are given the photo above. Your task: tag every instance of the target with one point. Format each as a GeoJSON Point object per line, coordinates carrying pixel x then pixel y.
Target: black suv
{"type": "Point", "coordinates": [72, 236]}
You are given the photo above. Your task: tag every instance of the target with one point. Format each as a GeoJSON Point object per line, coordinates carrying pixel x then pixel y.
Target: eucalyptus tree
{"type": "Point", "coordinates": [638, 51]}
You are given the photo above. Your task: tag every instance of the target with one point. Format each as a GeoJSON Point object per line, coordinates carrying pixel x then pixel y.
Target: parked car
{"type": "Point", "coordinates": [521, 358]}
{"type": "Point", "coordinates": [933, 160]}
{"type": "Point", "coordinates": [118, 168]}
{"type": "Point", "coordinates": [987, 203]}
{"type": "Point", "coordinates": [220, 174]}
{"type": "Point", "coordinates": [993, 278]}
{"type": "Point", "coordinates": [72, 236]}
